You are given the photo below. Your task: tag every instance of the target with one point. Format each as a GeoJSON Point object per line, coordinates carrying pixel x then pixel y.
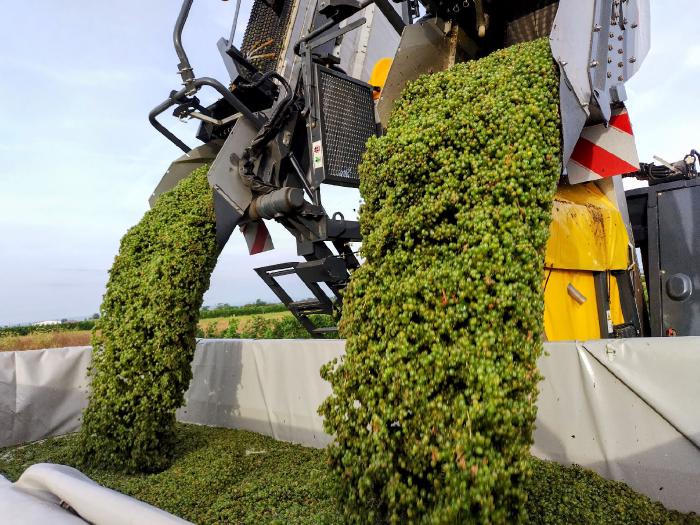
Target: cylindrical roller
{"type": "Point", "coordinates": [278, 202]}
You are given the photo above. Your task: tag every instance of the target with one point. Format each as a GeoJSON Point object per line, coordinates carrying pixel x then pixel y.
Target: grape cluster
{"type": "Point", "coordinates": [144, 341]}
{"type": "Point", "coordinates": [433, 404]}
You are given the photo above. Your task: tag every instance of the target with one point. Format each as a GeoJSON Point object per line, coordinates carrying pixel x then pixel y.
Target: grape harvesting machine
{"type": "Point", "coordinates": [314, 79]}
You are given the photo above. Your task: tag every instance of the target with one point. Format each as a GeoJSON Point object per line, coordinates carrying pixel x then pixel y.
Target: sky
{"type": "Point", "coordinates": [78, 158]}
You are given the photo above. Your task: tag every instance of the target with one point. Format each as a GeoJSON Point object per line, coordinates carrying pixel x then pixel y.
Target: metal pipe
{"type": "Point", "coordinates": [234, 24]}
{"type": "Point", "coordinates": [278, 202]}
{"type": "Point", "coordinates": [184, 67]}
{"type": "Point", "coordinates": [152, 118]}
{"type": "Point", "coordinates": [176, 97]}
{"type": "Point", "coordinates": [229, 97]}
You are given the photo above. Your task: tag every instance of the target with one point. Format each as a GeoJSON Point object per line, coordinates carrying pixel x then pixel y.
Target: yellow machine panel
{"type": "Point", "coordinates": [587, 235]}
{"type": "Point", "coordinates": [380, 72]}
{"type": "Point", "coordinates": [565, 318]}
{"type": "Point", "coordinates": [587, 231]}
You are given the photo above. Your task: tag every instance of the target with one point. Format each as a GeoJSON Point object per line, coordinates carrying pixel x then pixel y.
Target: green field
{"type": "Point", "coordinates": [221, 323]}
{"type": "Point", "coordinates": [213, 322]}
{"type": "Point", "coordinates": [59, 338]}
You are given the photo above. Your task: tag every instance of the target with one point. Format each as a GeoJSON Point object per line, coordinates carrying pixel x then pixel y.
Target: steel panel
{"type": "Point", "coordinates": [679, 244]}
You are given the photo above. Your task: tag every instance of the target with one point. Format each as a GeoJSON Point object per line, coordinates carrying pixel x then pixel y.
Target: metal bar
{"type": "Point", "coordinates": [229, 97]}
{"type": "Point", "coordinates": [217, 122]}
{"type": "Point", "coordinates": [627, 300]}
{"type": "Point", "coordinates": [330, 24]}
{"type": "Point", "coordinates": [391, 15]}
{"type": "Point", "coordinates": [282, 273]}
{"type": "Point", "coordinates": [406, 13]}
{"type": "Point", "coordinates": [654, 271]}
{"type": "Point", "coordinates": [153, 119]}
{"type": "Point", "coordinates": [335, 34]}
{"type": "Point", "coordinates": [274, 286]}
{"type": "Point", "coordinates": [235, 23]}
{"type": "Point", "coordinates": [602, 302]}
{"type": "Point", "coordinates": [302, 177]}
{"type": "Point", "coordinates": [184, 66]}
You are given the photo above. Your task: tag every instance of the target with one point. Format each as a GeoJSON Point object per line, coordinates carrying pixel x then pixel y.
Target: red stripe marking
{"type": "Point", "coordinates": [622, 122]}
{"type": "Point", "coordinates": [261, 235]}
{"type": "Point", "coordinates": [599, 160]}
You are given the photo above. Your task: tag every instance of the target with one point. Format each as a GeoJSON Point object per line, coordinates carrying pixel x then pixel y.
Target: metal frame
{"type": "Point", "coordinates": [280, 154]}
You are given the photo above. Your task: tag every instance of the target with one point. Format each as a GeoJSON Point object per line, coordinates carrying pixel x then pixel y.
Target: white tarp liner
{"type": "Point", "coordinates": [272, 387]}
{"type": "Point", "coordinates": [44, 493]}
{"type": "Point", "coordinates": [42, 393]}
{"type": "Point", "coordinates": [627, 409]}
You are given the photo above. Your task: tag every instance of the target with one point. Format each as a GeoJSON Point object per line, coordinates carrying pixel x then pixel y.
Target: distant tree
{"type": "Point", "coordinates": [95, 316]}
{"type": "Point", "coordinates": [64, 320]}
{"type": "Point", "coordinates": [260, 302]}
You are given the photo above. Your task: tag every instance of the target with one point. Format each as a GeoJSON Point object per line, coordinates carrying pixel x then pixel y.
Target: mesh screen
{"type": "Point", "coordinates": [532, 26]}
{"type": "Point", "coordinates": [265, 34]}
{"type": "Point", "coordinates": [347, 119]}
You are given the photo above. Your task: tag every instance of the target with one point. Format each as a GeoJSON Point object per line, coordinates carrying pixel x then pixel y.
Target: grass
{"type": "Point", "coordinates": [44, 340]}
{"type": "Point", "coordinates": [226, 476]}
{"type": "Point", "coordinates": [61, 339]}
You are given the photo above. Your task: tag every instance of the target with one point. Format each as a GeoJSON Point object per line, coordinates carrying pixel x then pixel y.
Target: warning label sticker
{"type": "Point", "coordinates": [317, 151]}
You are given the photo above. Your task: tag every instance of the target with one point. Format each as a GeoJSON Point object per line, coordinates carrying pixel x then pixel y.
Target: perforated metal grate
{"type": "Point", "coordinates": [347, 120]}
{"type": "Point", "coordinates": [531, 26]}
{"type": "Point", "coordinates": [265, 34]}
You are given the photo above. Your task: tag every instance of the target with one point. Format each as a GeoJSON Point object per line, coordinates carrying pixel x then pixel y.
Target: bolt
{"type": "Point", "coordinates": [597, 28]}
{"type": "Point", "coordinates": [610, 47]}
{"type": "Point", "coordinates": [635, 25]}
{"type": "Point", "coordinates": [620, 37]}
{"type": "Point", "coordinates": [633, 60]}
{"type": "Point", "coordinates": [594, 63]}
{"type": "Point", "coordinates": [620, 64]}
{"type": "Point", "coordinates": [620, 51]}
{"type": "Point", "coordinates": [621, 78]}
{"type": "Point", "coordinates": [609, 74]}
{"type": "Point", "coordinates": [609, 60]}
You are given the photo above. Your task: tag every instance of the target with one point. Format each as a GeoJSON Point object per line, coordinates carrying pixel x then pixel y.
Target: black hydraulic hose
{"type": "Point", "coordinates": [185, 68]}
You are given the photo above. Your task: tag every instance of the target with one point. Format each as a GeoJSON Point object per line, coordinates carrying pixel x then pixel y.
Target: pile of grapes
{"type": "Point", "coordinates": [144, 341]}
{"type": "Point", "coordinates": [433, 404]}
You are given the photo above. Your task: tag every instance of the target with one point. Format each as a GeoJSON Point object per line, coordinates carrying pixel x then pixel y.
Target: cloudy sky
{"type": "Point", "coordinates": [78, 158]}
